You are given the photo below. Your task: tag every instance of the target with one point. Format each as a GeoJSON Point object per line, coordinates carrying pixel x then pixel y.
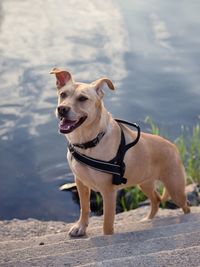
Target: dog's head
{"type": "Point", "coordinates": [79, 104]}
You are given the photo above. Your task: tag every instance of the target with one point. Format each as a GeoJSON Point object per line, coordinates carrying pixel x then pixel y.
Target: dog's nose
{"type": "Point", "coordinates": [63, 110]}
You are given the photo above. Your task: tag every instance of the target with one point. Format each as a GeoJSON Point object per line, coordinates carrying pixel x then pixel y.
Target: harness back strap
{"type": "Point", "coordinates": [116, 166]}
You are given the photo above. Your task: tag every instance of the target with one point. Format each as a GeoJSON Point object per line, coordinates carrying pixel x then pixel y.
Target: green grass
{"type": "Point", "coordinates": [130, 198]}
{"type": "Point", "coordinates": [188, 144]}
{"type": "Point", "coordinates": [154, 129]}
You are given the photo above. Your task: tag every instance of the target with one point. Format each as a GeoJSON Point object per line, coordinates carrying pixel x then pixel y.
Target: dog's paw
{"type": "Point", "coordinates": [77, 230]}
{"type": "Point", "coordinates": [146, 219]}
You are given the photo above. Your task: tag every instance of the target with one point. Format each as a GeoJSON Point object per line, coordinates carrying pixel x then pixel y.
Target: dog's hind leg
{"type": "Point", "coordinates": [148, 188]}
{"type": "Point", "coordinates": [179, 197]}
{"type": "Point", "coordinates": [174, 181]}
{"type": "Point", "coordinates": [79, 228]}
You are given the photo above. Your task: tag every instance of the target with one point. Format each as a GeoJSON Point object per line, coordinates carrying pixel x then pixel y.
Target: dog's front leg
{"type": "Point", "coordinates": [79, 228]}
{"type": "Point", "coordinates": [109, 207]}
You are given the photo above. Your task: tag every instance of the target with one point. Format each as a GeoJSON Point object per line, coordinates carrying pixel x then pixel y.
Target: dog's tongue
{"type": "Point", "coordinates": [65, 124]}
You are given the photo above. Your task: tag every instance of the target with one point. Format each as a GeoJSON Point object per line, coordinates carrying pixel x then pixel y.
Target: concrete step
{"type": "Point", "coordinates": [58, 255]}
{"type": "Point", "coordinates": [187, 257]}
{"type": "Point", "coordinates": [26, 229]}
{"type": "Point", "coordinates": [123, 224]}
{"type": "Point", "coordinates": [166, 233]}
{"type": "Point", "coordinates": [125, 244]}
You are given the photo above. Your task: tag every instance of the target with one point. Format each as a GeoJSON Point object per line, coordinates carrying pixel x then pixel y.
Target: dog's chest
{"type": "Point", "coordinates": [91, 178]}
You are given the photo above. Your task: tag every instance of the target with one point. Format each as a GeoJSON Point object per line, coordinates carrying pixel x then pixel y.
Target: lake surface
{"type": "Point", "coordinates": [151, 51]}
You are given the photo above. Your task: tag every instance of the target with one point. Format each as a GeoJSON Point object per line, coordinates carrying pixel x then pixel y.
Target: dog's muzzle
{"type": "Point", "coordinates": [63, 111]}
{"type": "Point", "coordinates": [66, 124]}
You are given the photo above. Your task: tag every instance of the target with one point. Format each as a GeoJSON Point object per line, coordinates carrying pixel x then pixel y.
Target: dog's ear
{"type": "Point", "coordinates": [98, 85]}
{"type": "Point", "coordinates": [62, 77]}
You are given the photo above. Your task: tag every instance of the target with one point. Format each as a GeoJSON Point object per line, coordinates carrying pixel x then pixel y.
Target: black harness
{"type": "Point", "coordinates": [115, 166]}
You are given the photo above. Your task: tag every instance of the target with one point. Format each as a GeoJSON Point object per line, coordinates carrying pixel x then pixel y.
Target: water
{"type": "Point", "coordinates": [150, 49]}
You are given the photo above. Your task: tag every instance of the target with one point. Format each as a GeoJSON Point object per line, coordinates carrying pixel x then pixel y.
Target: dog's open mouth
{"type": "Point", "coordinates": [67, 126]}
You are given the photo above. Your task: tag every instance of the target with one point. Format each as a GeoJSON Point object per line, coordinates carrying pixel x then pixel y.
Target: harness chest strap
{"type": "Point", "coordinates": [116, 166]}
{"type": "Point", "coordinates": [100, 165]}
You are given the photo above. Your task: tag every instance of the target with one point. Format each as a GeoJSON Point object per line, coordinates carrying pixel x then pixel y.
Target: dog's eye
{"type": "Point", "coordinates": [82, 98]}
{"type": "Point", "coordinates": [63, 95]}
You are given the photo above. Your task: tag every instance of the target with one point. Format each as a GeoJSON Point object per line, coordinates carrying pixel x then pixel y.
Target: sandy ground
{"type": "Point", "coordinates": [23, 229]}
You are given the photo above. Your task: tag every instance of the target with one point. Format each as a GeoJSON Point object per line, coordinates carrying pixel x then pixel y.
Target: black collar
{"type": "Point", "coordinates": [91, 143]}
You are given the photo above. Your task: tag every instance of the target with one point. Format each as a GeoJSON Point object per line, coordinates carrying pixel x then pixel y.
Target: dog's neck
{"type": "Point", "coordinates": [83, 135]}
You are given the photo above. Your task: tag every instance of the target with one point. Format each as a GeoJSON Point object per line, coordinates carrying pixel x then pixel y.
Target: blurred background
{"type": "Point", "coordinates": [150, 49]}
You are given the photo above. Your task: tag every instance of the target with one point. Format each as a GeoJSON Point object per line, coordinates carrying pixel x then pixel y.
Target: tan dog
{"type": "Point", "coordinates": [83, 116]}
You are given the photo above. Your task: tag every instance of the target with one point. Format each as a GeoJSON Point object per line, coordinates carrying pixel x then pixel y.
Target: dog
{"type": "Point", "coordinates": [82, 117]}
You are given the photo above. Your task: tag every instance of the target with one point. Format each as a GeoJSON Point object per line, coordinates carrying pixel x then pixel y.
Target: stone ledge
{"type": "Point", "coordinates": [23, 229]}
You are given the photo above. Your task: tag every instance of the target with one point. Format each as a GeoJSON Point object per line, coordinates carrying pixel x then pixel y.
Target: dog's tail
{"type": "Point", "coordinates": [165, 195]}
